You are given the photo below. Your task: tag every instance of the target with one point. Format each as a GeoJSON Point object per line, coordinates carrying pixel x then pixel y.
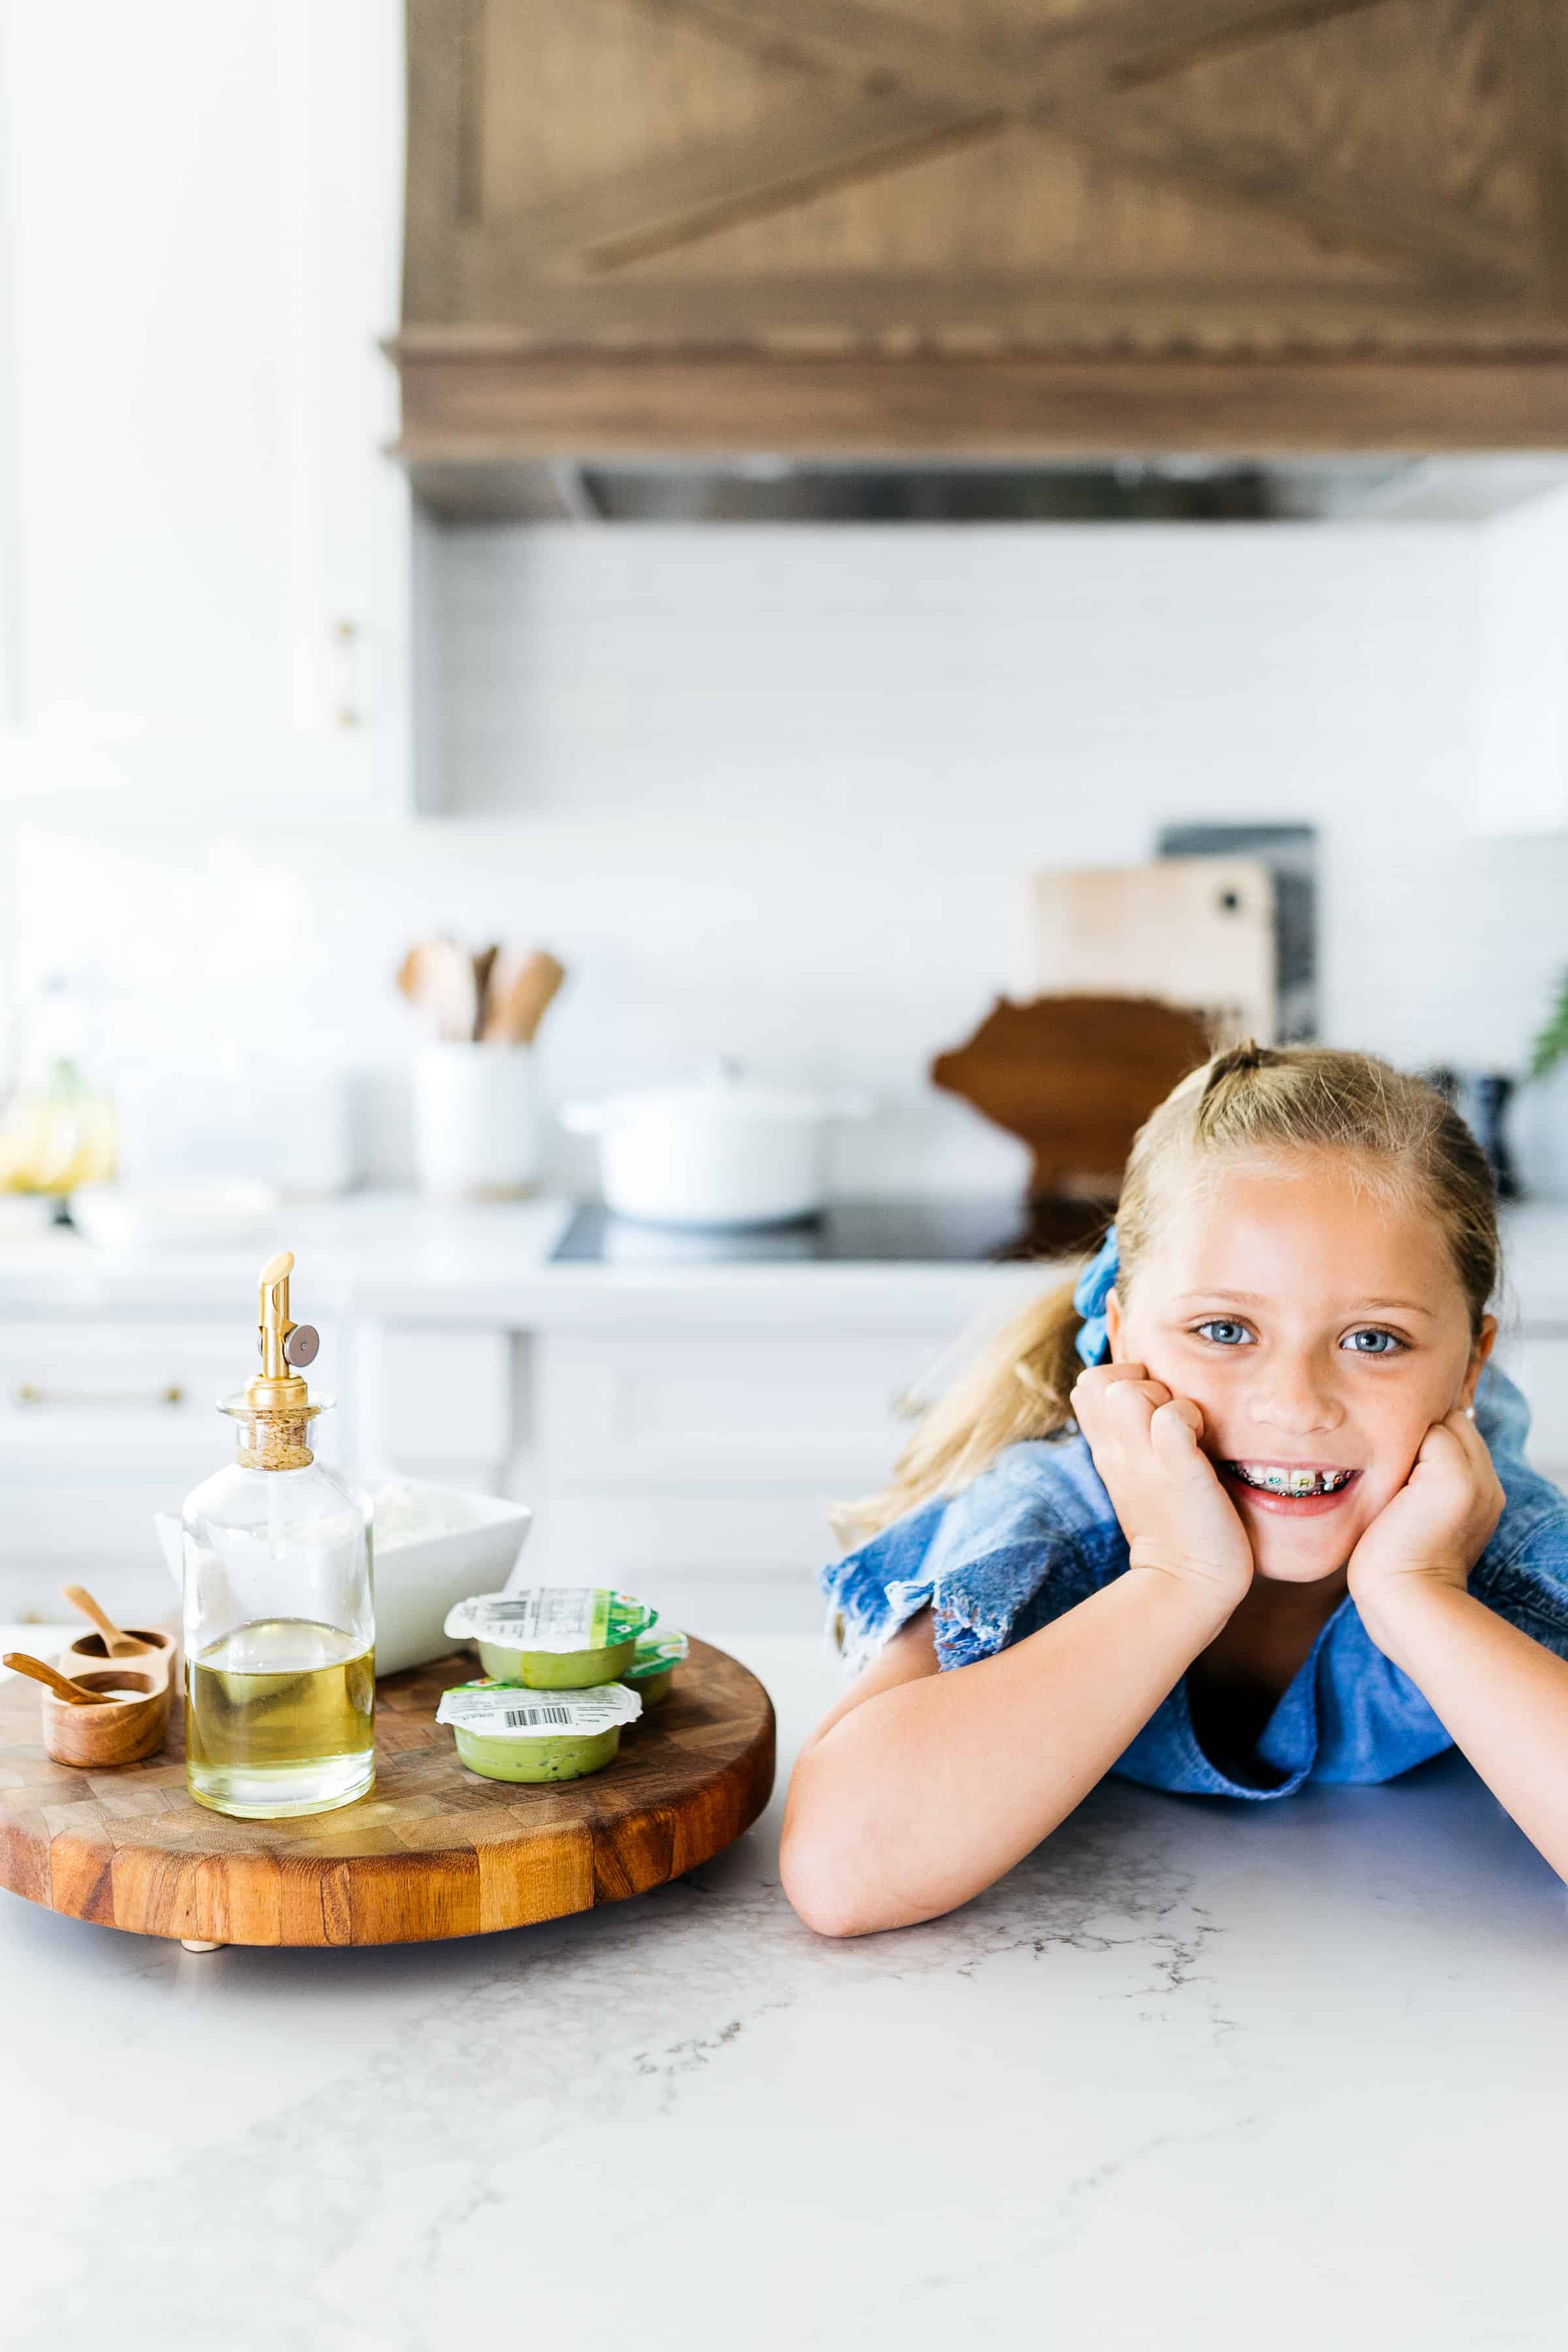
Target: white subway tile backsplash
{"type": "Point", "coordinates": [776, 793]}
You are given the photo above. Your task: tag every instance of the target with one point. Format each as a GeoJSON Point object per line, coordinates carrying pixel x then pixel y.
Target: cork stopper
{"type": "Point", "coordinates": [275, 1441]}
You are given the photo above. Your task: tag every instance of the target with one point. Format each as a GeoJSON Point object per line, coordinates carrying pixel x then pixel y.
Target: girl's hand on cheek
{"type": "Point", "coordinates": [1173, 1511]}
{"type": "Point", "coordinates": [1438, 1524]}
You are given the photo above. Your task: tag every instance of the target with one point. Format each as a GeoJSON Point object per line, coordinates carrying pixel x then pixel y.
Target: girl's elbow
{"type": "Point", "coordinates": [837, 1851]}
{"type": "Point", "coordinates": [824, 1881]}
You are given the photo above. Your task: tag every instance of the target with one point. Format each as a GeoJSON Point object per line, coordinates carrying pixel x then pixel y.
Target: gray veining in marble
{"type": "Point", "coordinates": [1195, 2074]}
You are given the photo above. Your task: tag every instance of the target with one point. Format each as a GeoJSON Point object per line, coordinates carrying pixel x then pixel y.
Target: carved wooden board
{"type": "Point", "coordinates": [1074, 1078]}
{"type": "Point", "coordinates": [434, 1851]}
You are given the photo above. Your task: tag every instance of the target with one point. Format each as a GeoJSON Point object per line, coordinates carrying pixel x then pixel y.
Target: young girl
{"type": "Point", "coordinates": [1220, 1518]}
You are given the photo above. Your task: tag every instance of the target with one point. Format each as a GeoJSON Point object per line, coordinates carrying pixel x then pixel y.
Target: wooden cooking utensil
{"type": "Point", "coordinates": [451, 995]}
{"type": "Point", "coordinates": [73, 1696]}
{"type": "Point", "coordinates": [118, 1643]}
{"type": "Point", "coordinates": [521, 989]}
{"type": "Point", "coordinates": [438, 977]}
{"type": "Point", "coordinates": [484, 965]}
{"type": "Point", "coordinates": [411, 975]}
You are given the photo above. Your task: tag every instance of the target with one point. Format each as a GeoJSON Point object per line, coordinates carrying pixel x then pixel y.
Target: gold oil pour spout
{"type": "Point", "coordinates": [277, 1411]}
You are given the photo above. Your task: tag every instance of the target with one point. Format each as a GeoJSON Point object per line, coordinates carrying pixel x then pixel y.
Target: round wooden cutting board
{"type": "Point", "coordinates": [433, 1850]}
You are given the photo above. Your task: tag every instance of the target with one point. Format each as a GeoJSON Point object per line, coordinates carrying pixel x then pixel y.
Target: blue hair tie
{"type": "Point", "coordinates": [1094, 1285]}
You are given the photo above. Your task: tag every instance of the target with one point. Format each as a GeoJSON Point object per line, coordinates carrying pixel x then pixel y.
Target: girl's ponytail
{"type": "Point", "coordinates": [1017, 1387]}
{"type": "Point", "coordinates": [1237, 1060]}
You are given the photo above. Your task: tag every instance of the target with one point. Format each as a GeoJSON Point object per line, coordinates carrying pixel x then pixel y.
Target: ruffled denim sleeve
{"type": "Point", "coordinates": [1523, 1571]}
{"type": "Point", "coordinates": [1031, 1537]}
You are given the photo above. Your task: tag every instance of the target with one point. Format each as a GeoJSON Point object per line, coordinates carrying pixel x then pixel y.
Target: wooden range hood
{"type": "Point", "coordinates": [983, 229]}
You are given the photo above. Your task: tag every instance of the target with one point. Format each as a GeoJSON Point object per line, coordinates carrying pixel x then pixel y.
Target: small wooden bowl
{"type": "Point", "coordinates": [90, 1651]}
{"type": "Point", "coordinates": [126, 1733]}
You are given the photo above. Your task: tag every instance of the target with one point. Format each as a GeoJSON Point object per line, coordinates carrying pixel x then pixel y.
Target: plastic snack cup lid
{"type": "Point", "coordinates": [555, 1618]}
{"type": "Point", "coordinates": [502, 1711]}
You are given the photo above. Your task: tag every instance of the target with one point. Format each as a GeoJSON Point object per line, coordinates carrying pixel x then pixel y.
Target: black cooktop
{"type": "Point", "coordinates": [942, 1230]}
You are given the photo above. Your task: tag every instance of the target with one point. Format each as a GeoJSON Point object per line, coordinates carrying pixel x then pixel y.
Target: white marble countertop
{"type": "Point", "coordinates": [392, 1254]}
{"type": "Point", "coordinates": [1198, 2074]}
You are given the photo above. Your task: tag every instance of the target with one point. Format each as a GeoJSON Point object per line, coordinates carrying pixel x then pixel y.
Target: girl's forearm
{"type": "Point", "coordinates": [916, 1800]}
{"type": "Point", "coordinates": [1501, 1697]}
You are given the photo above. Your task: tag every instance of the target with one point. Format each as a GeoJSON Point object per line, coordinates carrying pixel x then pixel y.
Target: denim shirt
{"type": "Point", "coordinates": [1036, 1533]}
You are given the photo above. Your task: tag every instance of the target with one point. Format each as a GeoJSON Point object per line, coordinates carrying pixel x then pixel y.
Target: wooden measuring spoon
{"type": "Point", "coordinates": [116, 1643]}
{"type": "Point", "coordinates": [21, 1663]}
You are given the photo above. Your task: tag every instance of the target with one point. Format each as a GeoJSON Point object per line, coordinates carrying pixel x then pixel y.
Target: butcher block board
{"type": "Point", "coordinates": [434, 1850]}
{"type": "Point", "coordinates": [1194, 931]}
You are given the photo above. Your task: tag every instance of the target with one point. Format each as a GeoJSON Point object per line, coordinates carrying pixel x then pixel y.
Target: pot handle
{"type": "Point", "coordinates": [584, 1117]}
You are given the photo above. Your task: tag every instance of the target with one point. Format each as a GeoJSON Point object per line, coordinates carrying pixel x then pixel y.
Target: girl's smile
{"type": "Point", "coordinates": [1319, 1328]}
{"type": "Point", "coordinates": [1298, 1490]}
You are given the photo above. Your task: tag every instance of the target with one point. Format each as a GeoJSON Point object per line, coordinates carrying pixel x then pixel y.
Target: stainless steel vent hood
{"type": "Point", "coordinates": [1168, 488]}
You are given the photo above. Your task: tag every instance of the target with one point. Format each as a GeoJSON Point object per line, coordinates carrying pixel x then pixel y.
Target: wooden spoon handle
{"type": "Point", "coordinates": [118, 1644]}
{"type": "Point", "coordinates": [21, 1663]}
{"type": "Point", "coordinates": [519, 995]}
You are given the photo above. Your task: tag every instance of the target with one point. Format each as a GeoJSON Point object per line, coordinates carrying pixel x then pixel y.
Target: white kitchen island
{"type": "Point", "coordinates": [1199, 2075]}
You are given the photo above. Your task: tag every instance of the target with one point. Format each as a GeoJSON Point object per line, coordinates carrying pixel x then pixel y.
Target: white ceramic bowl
{"type": "Point", "coordinates": [417, 1581]}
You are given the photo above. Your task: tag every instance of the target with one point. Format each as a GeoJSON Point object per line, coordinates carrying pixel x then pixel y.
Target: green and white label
{"type": "Point", "coordinates": [556, 1618]}
{"type": "Point", "coordinates": [505, 1711]}
{"type": "Point", "coordinates": [657, 1652]}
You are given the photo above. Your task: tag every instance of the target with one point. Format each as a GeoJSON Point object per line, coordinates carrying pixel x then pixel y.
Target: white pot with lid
{"type": "Point", "coordinates": [722, 1153]}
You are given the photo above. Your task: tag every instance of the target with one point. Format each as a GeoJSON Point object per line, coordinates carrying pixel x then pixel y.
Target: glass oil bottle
{"type": "Point", "coordinates": [279, 1632]}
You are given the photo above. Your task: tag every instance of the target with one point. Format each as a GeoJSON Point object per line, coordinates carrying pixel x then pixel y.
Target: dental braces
{"type": "Point", "coordinates": [1294, 1481]}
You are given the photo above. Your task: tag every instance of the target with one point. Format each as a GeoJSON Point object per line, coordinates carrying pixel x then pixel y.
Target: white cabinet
{"type": "Point", "coordinates": [102, 1422]}
{"type": "Point", "coordinates": [714, 1563]}
{"type": "Point", "coordinates": [698, 1468]}
{"type": "Point", "coordinates": [665, 1410]}
{"type": "Point", "coordinates": [436, 1403]}
{"type": "Point", "coordinates": [202, 550]}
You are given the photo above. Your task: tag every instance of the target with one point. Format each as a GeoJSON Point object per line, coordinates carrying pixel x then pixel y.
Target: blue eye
{"type": "Point", "coordinates": [1235, 1332]}
{"type": "Point", "coordinates": [1390, 1345]}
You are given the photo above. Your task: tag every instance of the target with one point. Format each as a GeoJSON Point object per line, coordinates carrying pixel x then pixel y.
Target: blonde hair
{"type": "Point", "coordinates": [1403, 1141]}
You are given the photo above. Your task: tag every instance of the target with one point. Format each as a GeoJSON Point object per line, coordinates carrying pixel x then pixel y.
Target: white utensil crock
{"type": "Point", "coordinates": [476, 1125]}
{"type": "Point", "coordinates": [722, 1154]}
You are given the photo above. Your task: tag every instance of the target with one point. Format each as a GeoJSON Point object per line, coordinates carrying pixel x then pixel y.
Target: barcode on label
{"type": "Point", "coordinates": [529, 1719]}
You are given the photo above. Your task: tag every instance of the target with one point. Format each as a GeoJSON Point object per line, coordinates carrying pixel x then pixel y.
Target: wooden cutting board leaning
{"type": "Point", "coordinates": [1192, 931]}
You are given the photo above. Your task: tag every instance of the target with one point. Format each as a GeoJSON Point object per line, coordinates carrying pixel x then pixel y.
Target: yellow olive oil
{"type": "Point", "coordinates": [279, 1719]}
